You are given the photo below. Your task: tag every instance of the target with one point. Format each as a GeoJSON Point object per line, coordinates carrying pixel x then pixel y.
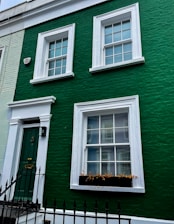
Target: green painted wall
{"type": "Point", "coordinates": [8, 76]}
{"type": "Point", "coordinates": [152, 81]}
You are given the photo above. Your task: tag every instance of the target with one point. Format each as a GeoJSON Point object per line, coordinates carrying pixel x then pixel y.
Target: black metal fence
{"type": "Point", "coordinates": [63, 216]}
{"type": "Point", "coordinates": [21, 210]}
{"type": "Point", "coordinates": [16, 212]}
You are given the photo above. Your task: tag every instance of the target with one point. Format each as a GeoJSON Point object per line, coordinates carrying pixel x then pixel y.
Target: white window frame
{"type": "Point", "coordinates": [81, 111]}
{"type": "Point", "coordinates": [2, 55]}
{"type": "Point", "coordinates": [132, 12]}
{"type": "Point", "coordinates": [41, 61]}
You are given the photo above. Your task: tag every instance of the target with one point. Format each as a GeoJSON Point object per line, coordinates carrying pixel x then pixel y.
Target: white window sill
{"type": "Point", "coordinates": [51, 78]}
{"type": "Point", "coordinates": [117, 65]}
{"type": "Point", "coordinates": [110, 189]}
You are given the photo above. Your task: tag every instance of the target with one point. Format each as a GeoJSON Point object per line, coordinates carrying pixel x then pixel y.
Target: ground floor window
{"type": "Point", "coordinates": [107, 146]}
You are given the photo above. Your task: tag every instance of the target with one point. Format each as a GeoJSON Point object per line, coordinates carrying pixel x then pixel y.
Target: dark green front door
{"type": "Point", "coordinates": [27, 164]}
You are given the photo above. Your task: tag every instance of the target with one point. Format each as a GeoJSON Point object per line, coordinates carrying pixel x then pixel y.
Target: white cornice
{"type": "Point", "coordinates": [32, 13]}
{"type": "Point", "coordinates": [35, 101]}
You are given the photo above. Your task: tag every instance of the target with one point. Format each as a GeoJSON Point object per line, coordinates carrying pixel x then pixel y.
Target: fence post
{"type": "Point", "coordinates": [96, 210]}
{"type": "Point", "coordinates": [119, 211]}
{"type": "Point", "coordinates": [64, 208]}
{"type": "Point", "coordinates": [107, 211]}
{"type": "Point", "coordinates": [85, 208]}
{"type": "Point", "coordinates": [54, 210]}
{"type": "Point", "coordinates": [74, 220]}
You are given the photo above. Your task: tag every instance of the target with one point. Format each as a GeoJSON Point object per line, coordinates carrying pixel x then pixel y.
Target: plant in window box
{"type": "Point", "coordinates": [121, 180]}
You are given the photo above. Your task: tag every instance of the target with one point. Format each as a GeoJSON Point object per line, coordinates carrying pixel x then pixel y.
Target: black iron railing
{"type": "Point", "coordinates": [21, 209]}
{"type": "Point", "coordinates": [16, 197]}
{"type": "Point", "coordinates": [8, 186]}
{"type": "Point", "coordinates": [82, 216]}
{"type": "Point", "coordinates": [24, 212]}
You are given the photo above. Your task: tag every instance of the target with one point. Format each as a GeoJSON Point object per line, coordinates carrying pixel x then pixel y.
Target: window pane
{"type": "Point", "coordinates": [52, 45]}
{"type": "Point", "coordinates": [123, 168]}
{"type": "Point", "coordinates": [108, 34]}
{"type": "Point", "coordinates": [127, 47]}
{"type": "Point", "coordinates": [117, 37]}
{"type": "Point", "coordinates": [118, 49]}
{"type": "Point", "coordinates": [109, 60]}
{"type": "Point", "coordinates": [121, 135]}
{"type": "Point", "coordinates": [107, 121]}
{"type": "Point", "coordinates": [126, 34]}
{"type": "Point", "coordinates": [65, 42]}
{"type": "Point", "coordinates": [117, 27]}
{"type": "Point", "coordinates": [60, 66]}
{"type": "Point", "coordinates": [92, 136]}
{"type": "Point", "coordinates": [109, 51]}
{"type": "Point", "coordinates": [127, 56]}
{"type": "Point", "coordinates": [108, 39]}
{"type": "Point", "coordinates": [108, 30]}
{"type": "Point", "coordinates": [51, 72]}
{"type": "Point", "coordinates": [93, 122]}
{"type": "Point", "coordinates": [107, 136]}
{"type": "Point", "coordinates": [51, 64]}
{"type": "Point", "coordinates": [64, 62]}
{"type": "Point", "coordinates": [93, 153]}
{"type": "Point", "coordinates": [58, 52]}
{"type": "Point", "coordinates": [126, 25]}
{"type": "Point", "coordinates": [126, 30]}
{"type": "Point", "coordinates": [108, 168]}
{"type": "Point", "coordinates": [121, 120]}
{"type": "Point", "coordinates": [57, 71]}
{"type": "Point", "coordinates": [58, 44]}
{"type": "Point", "coordinates": [107, 153]}
{"type": "Point", "coordinates": [93, 168]}
{"type": "Point", "coordinates": [64, 50]}
{"type": "Point", "coordinates": [51, 54]}
{"type": "Point", "coordinates": [123, 153]}
{"type": "Point", "coordinates": [117, 58]}
{"type": "Point", "coordinates": [58, 63]}
{"type": "Point", "coordinates": [63, 70]}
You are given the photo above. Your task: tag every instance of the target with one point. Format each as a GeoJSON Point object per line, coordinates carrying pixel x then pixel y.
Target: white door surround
{"type": "Point", "coordinates": [33, 110]}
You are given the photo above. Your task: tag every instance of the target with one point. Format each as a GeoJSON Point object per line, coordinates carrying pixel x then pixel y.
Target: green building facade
{"type": "Point", "coordinates": [118, 64]}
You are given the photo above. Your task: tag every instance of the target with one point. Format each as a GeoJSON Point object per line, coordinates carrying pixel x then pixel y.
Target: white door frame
{"type": "Point", "coordinates": [38, 108]}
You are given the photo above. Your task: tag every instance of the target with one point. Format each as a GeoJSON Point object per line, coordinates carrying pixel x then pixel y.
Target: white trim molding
{"type": "Point", "coordinates": [41, 61]}
{"type": "Point", "coordinates": [29, 14]}
{"type": "Point", "coordinates": [81, 111]}
{"type": "Point", "coordinates": [2, 49]}
{"type": "Point", "coordinates": [131, 13]}
{"type": "Point", "coordinates": [27, 110]}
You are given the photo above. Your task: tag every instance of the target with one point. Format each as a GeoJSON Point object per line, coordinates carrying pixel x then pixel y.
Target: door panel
{"type": "Point", "coordinates": [27, 164]}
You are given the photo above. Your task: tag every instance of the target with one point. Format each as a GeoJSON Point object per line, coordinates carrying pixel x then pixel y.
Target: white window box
{"type": "Point", "coordinates": [54, 55]}
{"type": "Point", "coordinates": [107, 140]}
{"type": "Point", "coordinates": [117, 39]}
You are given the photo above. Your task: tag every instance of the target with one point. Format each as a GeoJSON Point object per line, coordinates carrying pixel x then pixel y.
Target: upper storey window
{"type": "Point", "coordinates": [117, 42]}
{"type": "Point", "coordinates": [54, 54]}
{"type": "Point", "coordinates": [117, 39]}
{"type": "Point", "coordinates": [57, 57]}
